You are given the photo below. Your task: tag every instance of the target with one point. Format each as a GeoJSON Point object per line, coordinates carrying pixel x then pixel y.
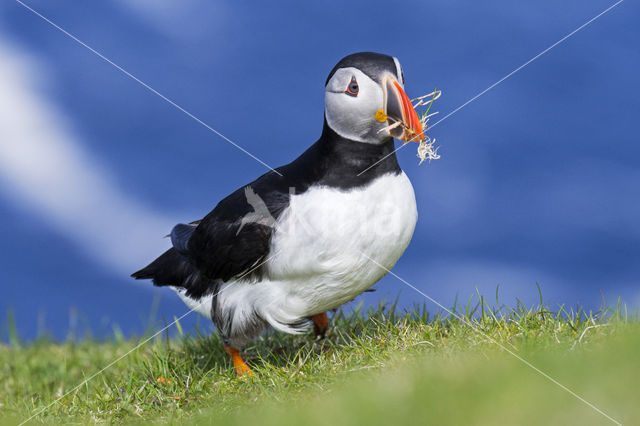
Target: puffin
{"type": "Point", "coordinates": [309, 236]}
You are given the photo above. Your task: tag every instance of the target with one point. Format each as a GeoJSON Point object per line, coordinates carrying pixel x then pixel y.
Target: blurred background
{"type": "Point", "coordinates": [539, 180]}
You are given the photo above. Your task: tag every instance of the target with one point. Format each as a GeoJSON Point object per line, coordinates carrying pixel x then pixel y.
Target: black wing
{"type": "Point", "coordinates": [230, 242]}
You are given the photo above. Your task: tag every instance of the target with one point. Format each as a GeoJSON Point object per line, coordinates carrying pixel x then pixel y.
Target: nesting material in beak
{"type": "Point", "coordinates": [404, 123]}
{"type": "Point", "coordinates": [399, 111]}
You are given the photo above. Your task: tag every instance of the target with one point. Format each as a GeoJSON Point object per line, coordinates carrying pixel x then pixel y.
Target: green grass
{"type": "Point", "coordinates": [378, 367]}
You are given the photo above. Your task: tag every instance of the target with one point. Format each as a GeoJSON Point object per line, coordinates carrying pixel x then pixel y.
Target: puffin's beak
{"type": "Point", "coordinates": [399, 109]}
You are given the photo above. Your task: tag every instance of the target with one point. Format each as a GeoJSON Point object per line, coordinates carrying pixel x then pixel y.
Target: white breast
{"type": "Point", "coordinates": [324, 242]}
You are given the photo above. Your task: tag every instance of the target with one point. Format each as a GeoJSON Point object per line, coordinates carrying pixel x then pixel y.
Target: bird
{"type": "Point", "coordinates": [309, 236]}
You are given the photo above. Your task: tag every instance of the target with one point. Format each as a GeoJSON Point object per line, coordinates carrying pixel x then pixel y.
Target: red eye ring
{"type": "Point", "coordinates": [352, 88]}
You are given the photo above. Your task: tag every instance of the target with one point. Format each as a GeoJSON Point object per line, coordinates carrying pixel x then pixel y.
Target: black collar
{"type": "Point", "coordinates": [339, 162]}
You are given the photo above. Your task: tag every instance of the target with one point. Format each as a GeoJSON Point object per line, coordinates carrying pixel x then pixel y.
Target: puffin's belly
{"type": "Point", "coordinates": [327, 245]}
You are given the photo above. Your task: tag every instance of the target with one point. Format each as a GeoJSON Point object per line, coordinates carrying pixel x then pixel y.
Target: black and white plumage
{"type": "Point", "coordinates": [292, 245]}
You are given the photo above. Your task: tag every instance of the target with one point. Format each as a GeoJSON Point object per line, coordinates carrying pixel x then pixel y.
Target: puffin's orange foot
{"type": "Point", "coordinates": [320, 325]}
{"type": "Point", "coordinates": [242, 369]}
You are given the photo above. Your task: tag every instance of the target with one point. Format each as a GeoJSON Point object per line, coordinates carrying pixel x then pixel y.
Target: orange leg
{"type": "Point", "coordinates": [242, 369]}
{"type": "Point", "coordinates": [320, 325]}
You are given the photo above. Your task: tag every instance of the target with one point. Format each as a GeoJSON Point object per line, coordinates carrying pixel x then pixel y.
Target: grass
{"type": "Point", "coordinates": [376, 367]}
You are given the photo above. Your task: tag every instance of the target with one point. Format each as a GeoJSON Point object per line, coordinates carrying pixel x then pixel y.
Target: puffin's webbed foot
{"type": "Point", "coordinates": [320, 325]}
{"type": "Point", "coordinates": [242, 369]}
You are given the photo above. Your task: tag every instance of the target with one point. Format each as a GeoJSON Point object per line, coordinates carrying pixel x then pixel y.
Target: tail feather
{"type": "Point", "coordinates": [175, 269]}
{"type": "Point", "coordinates": [170, 268]}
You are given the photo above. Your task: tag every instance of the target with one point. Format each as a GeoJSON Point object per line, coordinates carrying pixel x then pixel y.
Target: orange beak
{"type": "Point", "coordinates": [399, 108]}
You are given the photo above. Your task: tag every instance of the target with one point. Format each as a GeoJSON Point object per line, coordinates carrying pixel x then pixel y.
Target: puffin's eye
{"type": "Point", "coordinates": [352, 88]}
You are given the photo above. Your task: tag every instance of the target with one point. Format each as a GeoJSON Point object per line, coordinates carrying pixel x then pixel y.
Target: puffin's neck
{"type": "Point", "coordinates": [353, 156]}
{"type": "Point", "coordinates": [338, 162]}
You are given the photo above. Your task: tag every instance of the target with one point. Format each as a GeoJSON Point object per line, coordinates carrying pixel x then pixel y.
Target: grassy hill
{"type": "Point", "coordinates": [375, 367]}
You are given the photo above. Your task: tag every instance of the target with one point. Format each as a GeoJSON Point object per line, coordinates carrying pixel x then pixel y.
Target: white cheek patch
{"type": "Point", "coordinates": [353, 117]}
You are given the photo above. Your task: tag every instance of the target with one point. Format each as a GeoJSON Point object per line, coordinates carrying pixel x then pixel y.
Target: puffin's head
{"type": "Point", "coordinates": [364, 95]}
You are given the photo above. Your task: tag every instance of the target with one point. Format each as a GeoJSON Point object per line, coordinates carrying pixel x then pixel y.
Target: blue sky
{"type": "Point", "coordinates": [538, 181]}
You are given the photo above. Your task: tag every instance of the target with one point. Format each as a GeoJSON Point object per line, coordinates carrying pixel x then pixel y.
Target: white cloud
{"type": "Point", "coordinates": [44, 168]}
{"type": "Point", "coordinates": [178, 18]}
